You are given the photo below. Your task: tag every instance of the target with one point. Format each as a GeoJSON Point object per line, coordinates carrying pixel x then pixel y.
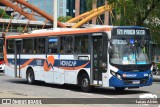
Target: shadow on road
{"type": "Point", "coordinates": [103, 91]}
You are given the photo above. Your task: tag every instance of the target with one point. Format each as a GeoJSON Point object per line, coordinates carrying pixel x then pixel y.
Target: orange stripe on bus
{"type": "Point", "coordinates": [28, 62]}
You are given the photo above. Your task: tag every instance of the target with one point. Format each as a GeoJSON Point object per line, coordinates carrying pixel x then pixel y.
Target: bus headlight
{"type": "Point", "coordinates": [116, 74]}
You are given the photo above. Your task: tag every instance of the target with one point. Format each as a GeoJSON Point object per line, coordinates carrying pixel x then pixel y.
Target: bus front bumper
{"type": "Point", "coordinates": [115, 82]}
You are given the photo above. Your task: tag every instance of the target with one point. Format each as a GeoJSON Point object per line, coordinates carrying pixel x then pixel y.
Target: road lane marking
{"type": "Point", "coordinates": [97, 95]}
{"type": "Point", "coordinates": [86, 94]}
{"type": "Point", "coordinates": [108, 97]}
{"type": "Point", "coordinates": [67, 90]}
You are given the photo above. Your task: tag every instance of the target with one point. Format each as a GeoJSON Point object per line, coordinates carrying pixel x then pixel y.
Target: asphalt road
{"type": "Point", "coordinates": [20, 88]}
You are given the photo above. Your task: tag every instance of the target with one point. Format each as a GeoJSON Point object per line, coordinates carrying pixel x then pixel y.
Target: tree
{"type": "Point", "coordinates": [137, 12]}
{"type": "Point", "coordinates": [64, 18]}
{"type": "Point", "coordinates": [4, 14]}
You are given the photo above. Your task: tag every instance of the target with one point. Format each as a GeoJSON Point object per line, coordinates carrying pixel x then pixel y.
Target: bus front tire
{"type": "Point", "coordinates": [85, 83]}
{"type": "Point", "coordinates": [30, 77]}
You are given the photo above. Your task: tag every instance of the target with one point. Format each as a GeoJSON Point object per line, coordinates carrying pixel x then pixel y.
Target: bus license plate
{"type": "Point", "coordinates": [136, 82]}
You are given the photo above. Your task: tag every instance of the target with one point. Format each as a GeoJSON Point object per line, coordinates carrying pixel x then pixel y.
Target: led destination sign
{"type": "Point", "coordinates": [130, 32]}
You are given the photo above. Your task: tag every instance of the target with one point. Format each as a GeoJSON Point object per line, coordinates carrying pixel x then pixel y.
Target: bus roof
{"type": "Point", "coordinates": [67, 31]}
{"type": "Point", "coordinates": [59, 31]}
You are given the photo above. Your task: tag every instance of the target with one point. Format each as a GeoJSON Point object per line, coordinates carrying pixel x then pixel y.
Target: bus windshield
{"type": "Point", "coordinates": [129, 52]}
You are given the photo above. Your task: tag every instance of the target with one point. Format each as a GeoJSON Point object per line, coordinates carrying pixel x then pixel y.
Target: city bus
{"type": "Point", "coordinates": [102, 56]}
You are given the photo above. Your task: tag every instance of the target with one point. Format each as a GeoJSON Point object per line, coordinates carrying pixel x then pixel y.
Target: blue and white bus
{"type": "Point", "coordinates": [103, 56]}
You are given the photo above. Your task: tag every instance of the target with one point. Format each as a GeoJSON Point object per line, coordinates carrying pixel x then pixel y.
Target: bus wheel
{"type": "Point", "coordinates": [30, 77]}
{"type": "Point", "coordinates": [85, 83]}
{"type": "Point", "coordinates": [119, 89]}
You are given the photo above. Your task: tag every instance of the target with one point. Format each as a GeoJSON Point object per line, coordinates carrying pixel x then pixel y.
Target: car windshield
{"type": "Point", "coordinates": [129, 52]}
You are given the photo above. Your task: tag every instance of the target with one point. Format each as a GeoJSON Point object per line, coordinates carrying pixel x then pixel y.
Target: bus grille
{"type": "Point", "coordinates": [130, 81]}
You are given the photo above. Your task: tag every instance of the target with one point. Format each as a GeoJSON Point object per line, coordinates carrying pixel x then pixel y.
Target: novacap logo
{"type": "Point", "coordinates": [48, 63]}
{"type": "Point", "coordinates": [129, 75]}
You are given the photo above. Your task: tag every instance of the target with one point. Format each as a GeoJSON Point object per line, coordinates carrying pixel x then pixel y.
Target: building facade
{"type": "Point", "coordinates": [77, 7]}
{"type": "Point", "coordinates": [70, 9]}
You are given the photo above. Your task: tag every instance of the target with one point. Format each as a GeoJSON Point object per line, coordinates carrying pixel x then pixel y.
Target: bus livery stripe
{"type": "Point", "coordinates": [35, 62]}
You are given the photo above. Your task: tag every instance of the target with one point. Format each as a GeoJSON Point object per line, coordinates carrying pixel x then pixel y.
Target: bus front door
{"type": "Point", "coordinates": [18, 50]}
{"type": "Point", "coordinates": [99, 58]}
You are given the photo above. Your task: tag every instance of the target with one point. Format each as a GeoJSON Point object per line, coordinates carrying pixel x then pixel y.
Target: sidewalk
{"type": "Point", "coordinates": [156, 78]}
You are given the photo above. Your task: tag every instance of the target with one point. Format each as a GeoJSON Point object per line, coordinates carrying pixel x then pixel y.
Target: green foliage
{"type": "Point", "coordinates": [64, 18]}
{"type": "Point", "coordinates": [139, 13]}
{"type": "Point", "coordinates": [136, 12]}
{"type": "Point", "coordinates": [61, 19]}
{"type": "Point", "coordinates": [5, 16]}
{"type": "Point", "coordinates": [158, 65]}
{"type": "Point", "coordinates": [68, 18]}
{"type": "Point", "coordinates": [89, 4]}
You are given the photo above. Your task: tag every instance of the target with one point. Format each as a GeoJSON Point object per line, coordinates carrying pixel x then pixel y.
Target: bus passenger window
{"type": "Point", "coordinates": [66, 44]}
{"type": "Point", "coordinates": [39, 45]}
{"type": "Point", "coordinates": [10, 46]}
{"type": "Point", "coordinates": [24, 51]}
{"type": "Point", "coordinates": [69, 44]}
{"type": "Point", "coordinates": [27, 46]}
{"type": "Point", "coordinates": [81, 44]}
{"type": "Point", "coordinates": [53, 45]}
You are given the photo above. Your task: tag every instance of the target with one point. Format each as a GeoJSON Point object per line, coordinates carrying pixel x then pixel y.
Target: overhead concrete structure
{"type": "Point", "coordinates": [21, 26]}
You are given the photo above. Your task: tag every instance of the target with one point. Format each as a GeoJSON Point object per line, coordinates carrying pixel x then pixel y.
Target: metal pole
{"type": "Point", "coordinates": [55, 14]}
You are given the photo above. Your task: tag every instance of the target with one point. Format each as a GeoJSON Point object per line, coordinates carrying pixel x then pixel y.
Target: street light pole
{"type": "Point", "coordinates": [55, 14]}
